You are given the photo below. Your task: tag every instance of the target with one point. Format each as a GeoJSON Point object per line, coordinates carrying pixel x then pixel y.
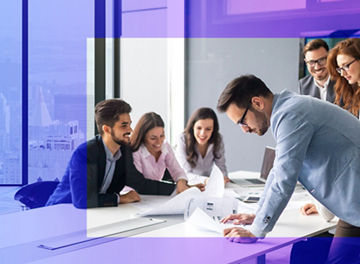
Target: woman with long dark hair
{"type": "Point", "coordinates": [154, 157]}
{"type": "Point", "coordinates": [200, 146]}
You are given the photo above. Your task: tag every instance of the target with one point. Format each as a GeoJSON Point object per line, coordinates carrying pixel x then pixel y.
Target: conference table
{"type": "Point", "coordinates": [64, 234]}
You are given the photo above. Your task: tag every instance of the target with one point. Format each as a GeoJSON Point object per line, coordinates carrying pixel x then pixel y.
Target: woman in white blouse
{"type": "Point", "coordinates": [201, 145]}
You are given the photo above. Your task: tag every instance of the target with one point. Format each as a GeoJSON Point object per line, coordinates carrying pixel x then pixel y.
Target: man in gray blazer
{"type": "Point", "coordinates": [318, 83]}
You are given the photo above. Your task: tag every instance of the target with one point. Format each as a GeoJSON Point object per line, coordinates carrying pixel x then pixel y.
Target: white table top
{"type": "Point", "coordinates": [43, 223]}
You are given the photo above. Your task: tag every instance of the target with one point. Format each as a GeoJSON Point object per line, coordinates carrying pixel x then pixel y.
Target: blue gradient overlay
{"type": "Point", "coordinates": [58, 32]}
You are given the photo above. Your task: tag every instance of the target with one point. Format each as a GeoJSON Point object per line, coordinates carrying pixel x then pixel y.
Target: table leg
{"type": "Point", "coordinates": [261, 259]}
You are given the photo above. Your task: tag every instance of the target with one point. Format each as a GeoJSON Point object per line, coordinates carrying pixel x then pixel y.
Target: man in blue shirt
{"type": "Point", "coordinates": [317, 143]}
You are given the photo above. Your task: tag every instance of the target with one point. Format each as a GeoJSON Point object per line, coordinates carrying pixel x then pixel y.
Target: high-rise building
{"type": "Point", "coordinates": [51, 143]}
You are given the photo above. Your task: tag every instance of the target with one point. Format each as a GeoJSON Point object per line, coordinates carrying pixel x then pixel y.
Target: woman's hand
{"type": "Point", "coordinates": [226, 180]}
{"type": "Point", "coordinates": [308, 209]}
{"type": "Point", "coordinates": [182, 185]}
{"type": "Point", "coordinates": [201, 186]}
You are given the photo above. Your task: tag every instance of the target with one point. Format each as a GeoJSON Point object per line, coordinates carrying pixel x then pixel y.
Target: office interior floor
{"type": "Point", "coordinates": [7, 202]}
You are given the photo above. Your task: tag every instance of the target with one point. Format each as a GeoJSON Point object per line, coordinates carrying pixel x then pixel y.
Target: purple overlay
{"type": "Point", "coordinates": [56, 121]}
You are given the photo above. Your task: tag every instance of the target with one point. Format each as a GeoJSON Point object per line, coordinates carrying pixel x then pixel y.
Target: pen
{"type": "Point", "coordinates": [168, 182]}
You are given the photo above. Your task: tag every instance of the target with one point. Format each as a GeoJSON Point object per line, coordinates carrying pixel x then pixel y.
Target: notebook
{"type": "Point", "coordinates": [267, 164]}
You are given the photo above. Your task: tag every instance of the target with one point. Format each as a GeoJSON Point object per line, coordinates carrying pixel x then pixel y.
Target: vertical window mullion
{"type": "Point", "coordinates": [117, 35]}
{"type": "Point", "coordinates": [25, 89]}
{"type": "Point", "coordinates": [100, 52]}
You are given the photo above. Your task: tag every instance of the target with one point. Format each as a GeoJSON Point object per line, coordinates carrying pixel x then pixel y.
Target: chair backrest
{"type": "Point", "coordinates": [36, 194]}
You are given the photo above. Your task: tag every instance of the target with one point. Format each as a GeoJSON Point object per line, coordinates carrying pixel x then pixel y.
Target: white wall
{"type": "Point", "coordinates": [143, 60]}
{"type": "Point", "coordinates": [152, 68]}
{"type": "Point", "coordinates": [144, 76]}
{"type": "Point", "coordinates": [212, 63]}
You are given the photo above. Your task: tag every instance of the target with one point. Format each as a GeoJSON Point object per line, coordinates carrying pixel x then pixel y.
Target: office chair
{"type": "Point", "coordinates": [36, 194]}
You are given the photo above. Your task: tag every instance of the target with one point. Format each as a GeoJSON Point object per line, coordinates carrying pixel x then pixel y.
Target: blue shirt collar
{"type": "Point", "coordinates": [109, 155]}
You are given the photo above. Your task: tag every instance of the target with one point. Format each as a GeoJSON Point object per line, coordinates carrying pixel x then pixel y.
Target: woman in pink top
{"type": "Point", "coordinates": [153, 157]}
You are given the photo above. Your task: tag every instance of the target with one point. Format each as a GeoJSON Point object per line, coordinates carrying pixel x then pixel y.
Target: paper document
{"type": "Point", "coordinates": [176, 205]}
{"type": "Point", "coordinates": [213, 206]}
{"type": "Point", "coordinates": [247, 208]}
{"type": "Point", "coordinates": [204, 222]}
{"type": "Point", "coordinates": [215, 185]}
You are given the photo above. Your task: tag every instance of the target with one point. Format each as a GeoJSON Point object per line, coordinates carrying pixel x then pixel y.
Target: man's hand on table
{"type": "Point", "coordinates": [239, 219]}
{"type": "Point", "coordinates": [129, 197]}
{"type": "Point", "coordinates": [239, 235]}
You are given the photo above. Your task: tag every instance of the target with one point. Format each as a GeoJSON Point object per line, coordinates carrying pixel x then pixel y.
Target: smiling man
{"type": "Point", "coordinates": [100, 168]}
{"type": "Point", "coordinates": [318, 84]}
{"type": "Point", "coordinates": [317, 143]}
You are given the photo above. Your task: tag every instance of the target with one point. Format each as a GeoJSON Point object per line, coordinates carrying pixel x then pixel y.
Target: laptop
{"type": "Point", "coordinates": [267, 164]}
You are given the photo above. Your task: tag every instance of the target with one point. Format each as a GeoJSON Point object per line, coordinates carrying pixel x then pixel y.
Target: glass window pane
{"type": "Point", "coordinates": [58, 32]}
{"type": "Point", "coordinates": [10, 92]}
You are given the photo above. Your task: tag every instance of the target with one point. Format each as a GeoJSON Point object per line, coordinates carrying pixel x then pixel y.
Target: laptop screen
{"type": "Point", "coordinates": [268, 162]}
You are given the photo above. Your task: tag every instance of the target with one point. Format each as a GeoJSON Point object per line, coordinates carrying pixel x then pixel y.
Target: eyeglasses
{"type": "Point", "coordinates": [241, 122]}
{"type": "Point", "coordinates": [320, 62]}
{"type": "Point", "coordinates": [346, 67]}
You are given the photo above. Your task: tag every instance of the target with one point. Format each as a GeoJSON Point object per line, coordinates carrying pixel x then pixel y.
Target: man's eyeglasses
{"type": "Point", "coordinates": [241, 122]}
{"type": "Point", "coordinates": [345, 67]}
{"type": "Point", "coordinates": [320, 62]}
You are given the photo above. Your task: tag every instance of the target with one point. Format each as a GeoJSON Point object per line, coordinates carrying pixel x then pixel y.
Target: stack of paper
{"type": "Point", "coordinates": [177, 205]}
{"type": "Point", "coordinates": [204, 222]}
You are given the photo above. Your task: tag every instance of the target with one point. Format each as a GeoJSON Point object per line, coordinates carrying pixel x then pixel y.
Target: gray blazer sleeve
{"type": "Point", "coordinates": [299, 87]}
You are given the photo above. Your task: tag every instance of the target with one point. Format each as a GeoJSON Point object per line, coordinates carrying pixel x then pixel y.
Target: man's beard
{"type": "Point", "coordinates": [119, 141]}
{"type": "Point", "coordinates": [262, 123]}
{"type": "Point", "coordinates": [264, 128]}
{"type": "Point", "coordinates": [323, 76]}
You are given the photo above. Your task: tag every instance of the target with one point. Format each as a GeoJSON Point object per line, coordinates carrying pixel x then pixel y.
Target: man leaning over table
{"type": "Point", "coordinates": [101, 167]}
{"type": "Point", "coordinates": [317, 143]}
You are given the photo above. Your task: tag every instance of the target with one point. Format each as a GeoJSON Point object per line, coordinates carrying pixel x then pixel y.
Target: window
{"type": "Point", "coordinates": [57, 83]}
{"type": "Point", "coordinates": [57, 71]}
{"type": "Point", "coordinates": [10, 93]}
